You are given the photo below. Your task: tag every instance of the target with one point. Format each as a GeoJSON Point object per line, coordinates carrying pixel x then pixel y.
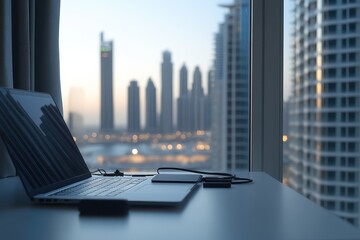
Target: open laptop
{"type": "Point", "coordinates": [50, 164]}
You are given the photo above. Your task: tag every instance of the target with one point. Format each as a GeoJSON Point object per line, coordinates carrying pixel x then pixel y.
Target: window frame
{"type": "Point", "coordinates": [267, 87]}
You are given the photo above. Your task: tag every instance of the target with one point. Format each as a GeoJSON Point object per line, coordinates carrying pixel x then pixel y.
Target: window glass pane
{"type": "Point", "coordinates": [321, 103]}
{"type": "Point", "coordinates": [157, 83]}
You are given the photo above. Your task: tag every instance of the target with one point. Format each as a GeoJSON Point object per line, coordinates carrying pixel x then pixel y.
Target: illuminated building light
{"type": "Point", "coordinates": [200, 132]}
{"type": "Point", "coordinates": [170, 147]}
{"type": "Point", "coordinates": [100, 159]}
{"type": "Point", "coordinates": [285, 138]}
{"type": "Point", "coordinates": [105, 48]}
{"type": "Point", "coordinates": [200, 147]}
{"type": "Point", "coordinates": [134, 151]}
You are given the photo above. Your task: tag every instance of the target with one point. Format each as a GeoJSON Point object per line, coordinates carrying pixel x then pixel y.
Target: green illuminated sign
{"type": "Point", "coordinates": [105, 48]}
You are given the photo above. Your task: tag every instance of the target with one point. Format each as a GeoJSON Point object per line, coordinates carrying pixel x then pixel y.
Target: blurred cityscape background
{"type": "Point", "coordinates": [187, 103]}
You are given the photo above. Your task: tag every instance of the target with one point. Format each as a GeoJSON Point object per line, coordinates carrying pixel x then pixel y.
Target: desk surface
{"type": "Point", "coordinates": [265, 209]}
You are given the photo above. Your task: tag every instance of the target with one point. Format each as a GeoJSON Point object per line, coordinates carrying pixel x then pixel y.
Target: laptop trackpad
{"type": "Point", "coordinates": [160, 193]}
{"type": "Point", "coordinates": [167, 188]}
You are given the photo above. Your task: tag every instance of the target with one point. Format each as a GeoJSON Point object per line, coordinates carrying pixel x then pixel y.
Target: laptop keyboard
{"type": "Point", "coordinates": [101, 186]}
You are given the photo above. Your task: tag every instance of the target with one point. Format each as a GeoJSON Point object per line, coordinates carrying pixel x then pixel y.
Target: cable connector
{"type": "Point", "coordinates": [217, 182]}
{"type": "Point", "coordinates": [117, 173]}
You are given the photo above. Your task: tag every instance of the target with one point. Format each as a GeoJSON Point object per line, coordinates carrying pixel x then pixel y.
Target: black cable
{"type": "Point", "coordinates": [223, 177]}
{"type": "Point", "coordinates": [100, 170]}
{"type": "Point", "coordinates": [195, 171]}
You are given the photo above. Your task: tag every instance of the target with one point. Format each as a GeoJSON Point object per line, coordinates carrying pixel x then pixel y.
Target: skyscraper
{"type": "Point", "coordinates": [183, 113]}
{"type": "Point", "coordinates": [76, 110]}
{"type": "Point", "coordinates": [234, 77]}
{"type": "Point", "coordinates": [107, 105]}
{"type": "Point", "coordinates": [166, 116]}
{"type": "Point", "coordinates": [207, 102]}
{"type": "Point", "coordinates": [151, 122]}
{"type": "Point", "coordinates": [75, 122]}
{"type": "Point", "coordinates": [325, 108]}
{"type": "Point", "coordinates": [183, 81]}
{"type": "Point", "coordinates": [210, 77]}
{"type": "Point", "coordinates": [217, 98]}
{"type": "Point", "coordinates": [133, 108]}
{"type": "Point", "coordinates": [197, 102]}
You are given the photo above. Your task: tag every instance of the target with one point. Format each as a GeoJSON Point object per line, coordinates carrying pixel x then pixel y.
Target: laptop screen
{"type": "Point", "coordinates": [39, 142]}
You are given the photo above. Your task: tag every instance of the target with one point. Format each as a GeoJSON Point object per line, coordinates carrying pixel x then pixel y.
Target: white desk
{"type": "Point", "coordinates": [265, 209]}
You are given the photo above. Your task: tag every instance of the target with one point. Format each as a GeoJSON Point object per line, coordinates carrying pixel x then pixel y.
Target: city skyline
{"type": "Point", "coordinates": [193, 107]}
{"type": "Point", "coordinates": [197, 103]}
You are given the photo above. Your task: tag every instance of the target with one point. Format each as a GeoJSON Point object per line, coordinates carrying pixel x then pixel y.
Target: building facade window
{"type": "Point", "coordinates": [322, 147]}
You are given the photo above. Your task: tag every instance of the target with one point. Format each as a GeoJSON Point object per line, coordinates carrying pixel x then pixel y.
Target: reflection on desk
{"type": "Point", "coordinates": [264, 209]}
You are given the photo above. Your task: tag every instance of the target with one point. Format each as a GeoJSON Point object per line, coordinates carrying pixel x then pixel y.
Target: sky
{"type": "Point", "coordinates": [288, 7]}
{"type": "Point", "coordinates": [141, 30]}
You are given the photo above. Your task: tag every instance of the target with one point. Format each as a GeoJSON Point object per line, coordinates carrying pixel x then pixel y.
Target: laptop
{"type": "Point", "coordinates": [51, 166]}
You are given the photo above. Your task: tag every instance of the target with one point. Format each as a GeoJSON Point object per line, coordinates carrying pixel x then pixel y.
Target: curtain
{"type": "Point", "coordinates": [29, 53]}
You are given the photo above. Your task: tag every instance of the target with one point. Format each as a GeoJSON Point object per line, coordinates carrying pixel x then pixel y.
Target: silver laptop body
{"type": "Point", "coordinates": [51, 166]}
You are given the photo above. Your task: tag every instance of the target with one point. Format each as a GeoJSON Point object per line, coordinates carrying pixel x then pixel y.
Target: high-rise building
{"type": "Point", "coordinates": [325, 108]}
{"type": "Point", "coordinates": [76, 109]}
{"type": "Point", "coordinates": [217, 115]}
{"type": "Point", "coordinates": [232, 50]}
{"type": "Point", "coordinates": [207, 102]}
{"type": "Point", "coordinates": [183, 113]}
{"type": "Point", "coordinates": [151, 122]}
{"type": "Point", "coordinates": [107, 105]}
{"type": "Point", "coordinates": [75, 122]}
{"type": "Point", "coordinates": [210, 77]}
{"type": "Point", "coordinates": [133, 108]}
{"type": "Point", "coordinates": [166, 116]}
{"type": "Point", "coordinates": [197, 101]}
{"type": "Point", "coordinates": [183, 81]}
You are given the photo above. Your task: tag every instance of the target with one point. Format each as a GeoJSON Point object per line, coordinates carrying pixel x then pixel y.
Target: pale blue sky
{"type": "Point", "coordinates": [288, 21]}
{"type": "Point", "coordinates": [141, 31]}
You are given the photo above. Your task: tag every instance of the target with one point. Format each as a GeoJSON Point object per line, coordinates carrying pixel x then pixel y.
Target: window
{"type": "Point", "coordinates": [145, 88]}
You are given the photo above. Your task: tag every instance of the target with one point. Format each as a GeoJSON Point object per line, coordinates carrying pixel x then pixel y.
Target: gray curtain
{"type": "Point", "coordinates": [29, 53]}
